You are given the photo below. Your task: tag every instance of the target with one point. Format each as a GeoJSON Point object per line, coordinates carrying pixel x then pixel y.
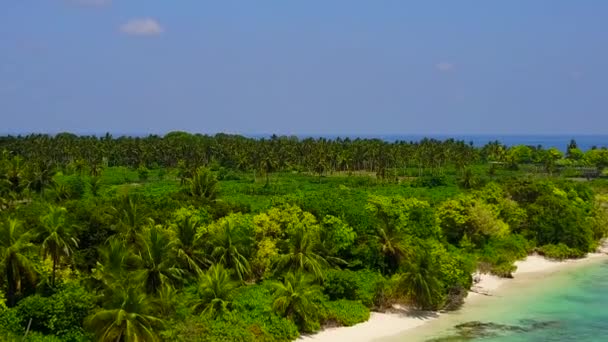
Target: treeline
{"type": "Point", "coordinates": [279, 153]}
{"type": "Point", "coordinates": [81, 261]}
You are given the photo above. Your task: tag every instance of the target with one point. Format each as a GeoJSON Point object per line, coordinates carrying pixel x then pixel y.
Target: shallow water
{"type": "Point", "coordinates": [569, 305]}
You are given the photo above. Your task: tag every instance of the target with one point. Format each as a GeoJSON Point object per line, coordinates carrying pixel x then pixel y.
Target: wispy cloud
{"type": "Point", "coordinates": [444, 66]}
{"type": "Point", "coordinates": [142, 27]}
{"type": "Point", "coordinates": [92, 3]}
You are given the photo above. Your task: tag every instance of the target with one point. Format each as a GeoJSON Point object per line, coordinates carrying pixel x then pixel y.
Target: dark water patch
{"type": "Point", "coordinates": [482, 330]}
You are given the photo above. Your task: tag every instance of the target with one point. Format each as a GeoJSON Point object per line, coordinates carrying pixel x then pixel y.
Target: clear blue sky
{"type": "Point", "coordinates": [299, 67]}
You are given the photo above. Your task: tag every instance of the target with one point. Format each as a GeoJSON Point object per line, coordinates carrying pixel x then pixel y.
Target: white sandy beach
{"type": "Point", "coordinates": [393, 323]}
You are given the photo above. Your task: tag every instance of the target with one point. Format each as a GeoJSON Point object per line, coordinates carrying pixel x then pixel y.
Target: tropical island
{"type": "Point", "coordinates": [190, 237]}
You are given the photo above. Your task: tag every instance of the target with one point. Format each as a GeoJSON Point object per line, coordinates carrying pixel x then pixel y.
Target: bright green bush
{"type": "Point", "coordinates": [346, 312]}
{"type": "Point", "coordinates": [560, 252]}
{"type": "Point", "coordinates": [253, 305]}
{"type": "Point", "coordinates": [143, 173]}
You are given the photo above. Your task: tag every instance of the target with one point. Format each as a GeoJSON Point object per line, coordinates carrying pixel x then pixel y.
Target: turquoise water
{"type": "Point", "coordinates": [570, 305]}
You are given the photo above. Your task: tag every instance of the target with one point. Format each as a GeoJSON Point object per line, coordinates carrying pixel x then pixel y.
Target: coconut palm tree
{"type": "Point", "coordinates": [115, 260]}
{"type": "Point", "coordinates": [228, 249]}
{"type": "Point", "coordinates": [126, 318]}
{"type": "Point", "coordinates": [15, 248]}
{"type": "Point", "coordinates": [57, 237]}
{"type": "Point", "coordinates": [215, 291]}
{"type": "Point", "coordinates": [302, 255]}
{"type": "Point", "coordinates": [131, 219]}
{"type": "Point", "coordinates": [420, 282]}
{"type": "Point", "coordinates": [294, 298]}
{"type": "Point", "coordinates": [189, 245]}
{"type": "Point", "coordinates": [203, 185]}
{"type": "Point", "coordinates": [156, 260]}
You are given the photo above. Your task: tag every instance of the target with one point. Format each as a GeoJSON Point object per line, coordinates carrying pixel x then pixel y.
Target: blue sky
{"type": "Point", "coordinates": [304, 67]}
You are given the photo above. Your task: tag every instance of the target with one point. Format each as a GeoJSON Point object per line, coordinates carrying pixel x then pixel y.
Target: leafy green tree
{"type": "Point", "coordinates": [215, 291]}
{"type": "Point", "coordinates": [15, 251]}
{"type": "Point", "coordinates": [126, 317]}
{"type": "Point", "coordinates": [471, 217]}
{"type": "Point", "coordinates": [597, 158]}
{"type": "Point", "coordinates": [554, 219]}
{"type": "Point", "coordinates": [397, 222]}
{"type": "Point", "coordinates": [294, 298]}
{"type": "Point", "coordinates": [57, 236]}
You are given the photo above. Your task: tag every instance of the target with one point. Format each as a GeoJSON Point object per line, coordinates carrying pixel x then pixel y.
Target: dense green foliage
{"type": "Point", "coordinates": [198, 238]}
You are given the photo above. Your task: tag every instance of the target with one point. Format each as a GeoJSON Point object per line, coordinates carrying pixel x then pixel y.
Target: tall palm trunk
{"type": "Point", "coordinates": [55, 257]}
{"type": "Point", "coordinates": [11, 287]}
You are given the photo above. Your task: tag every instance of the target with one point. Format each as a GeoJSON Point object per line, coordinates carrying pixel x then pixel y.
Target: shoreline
{"type": "Point", "coordinates": [389, 324]}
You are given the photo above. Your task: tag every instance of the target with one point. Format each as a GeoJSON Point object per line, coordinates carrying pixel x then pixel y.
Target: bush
{"type": "Point", "coordinates": [143, 173]}
{"type": "Point", "coordinates": [346, 312]}
{"type": "Point", "coordinates": [364, 285]}
{"type": "Point", "coordinates": [253, 305]}
{"type": "Point", "coordinates": [60, 314]}
{"type": "Point", "coordinates": [10, 323]}
{"type": "Point", "coordinates": [429, 181]}
{"type": "Point", "coordinates": [560, 252]}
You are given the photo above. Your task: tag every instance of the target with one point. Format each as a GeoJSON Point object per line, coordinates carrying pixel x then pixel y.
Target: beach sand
{"type": "Point", "coordinates": [403, 319]}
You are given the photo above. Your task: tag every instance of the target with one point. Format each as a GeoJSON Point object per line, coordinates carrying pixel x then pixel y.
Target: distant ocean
{"type": "Point", "coordinates": [571, 305]}
{"type": "Point", "coordinates": [560, 142]}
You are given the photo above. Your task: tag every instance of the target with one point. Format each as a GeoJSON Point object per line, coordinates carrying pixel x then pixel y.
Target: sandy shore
{"type": "Point", "coordinates": [402, 319]}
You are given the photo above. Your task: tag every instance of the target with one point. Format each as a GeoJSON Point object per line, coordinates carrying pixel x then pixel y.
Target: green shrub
{"type": "Point", "coordinates": [253, 305]}
{"type": "Point", "coordinates": [504, 269]}
{"type": "Point", "coordinates": [60, 314]}
{"type": "Point", "coordinates": [429, 181]}
{"type": "Point", "coordinates": [560, 252]}
{"type": "Point", "coordinates": [143, 173]}
{"type": "Point", "coordinates": [346, 312]}
{"type": "Point", "coordinates": [364, 285]}
{"type": "Point", "coordinates": [10, 323]}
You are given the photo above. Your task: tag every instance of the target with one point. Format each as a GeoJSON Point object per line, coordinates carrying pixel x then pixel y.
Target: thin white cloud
{"type": "Point", "coordinates": [444, 66]}
{"type": "Point", "coordinates": [142, 27]}
{"type": "Point", "coordinates": [92, 3]}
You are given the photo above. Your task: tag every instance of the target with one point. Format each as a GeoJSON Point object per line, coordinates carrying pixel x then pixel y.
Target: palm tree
{"type": "Point", "coordinates": [15, 248]}
{"type": "Point", "coordinates": [126, 319]}
{"type": "Point", "coordinates": [115, 260]}
{"type": "Point", "coordinates": [131, 219]}
{"type": "Point", "coordinates": [294, 298]}
{"type": "Point", "coordinates": [156, 260]}
{"type": "Point", "coordinates": [228, 250]}
{"type": "Point", "coordinates": [188, 245]}
{"type": "Point", "coordinates": [203, 185]}
{"type": "Point", "coordinates": [57, 237]}
{"type": "Point", "coordinates": [215, 291]}
{"type": "Point", "coordinates": [302, 255]}
{"type": "Point", "coordinates": [420, 282]}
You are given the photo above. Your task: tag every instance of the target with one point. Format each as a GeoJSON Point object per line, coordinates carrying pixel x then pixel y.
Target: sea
{"type": "Point", "coordinates": [569, 305]}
